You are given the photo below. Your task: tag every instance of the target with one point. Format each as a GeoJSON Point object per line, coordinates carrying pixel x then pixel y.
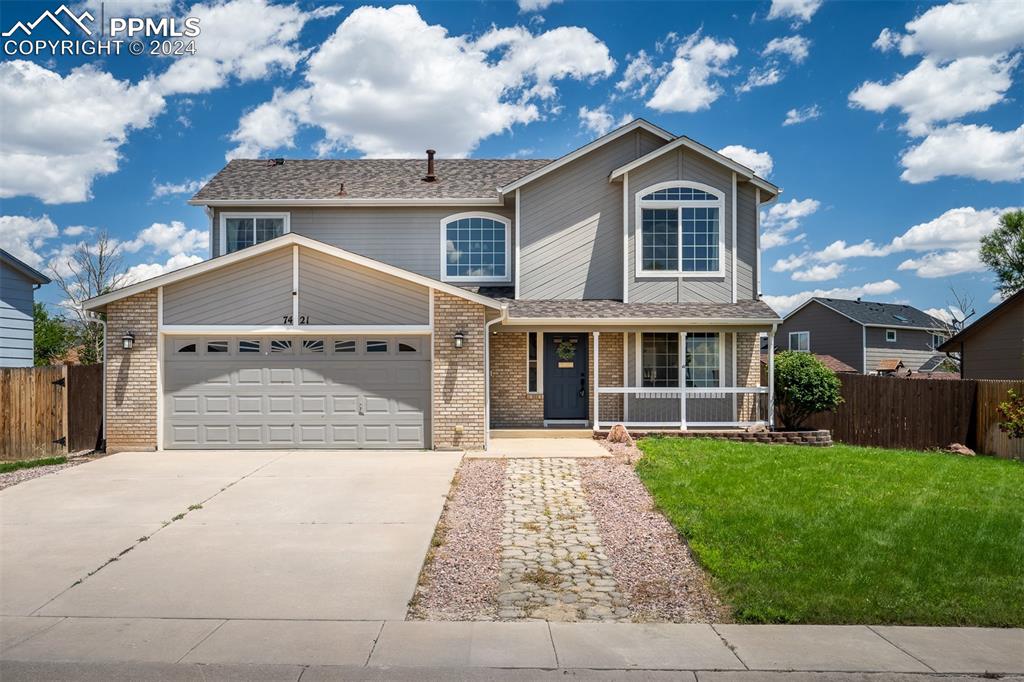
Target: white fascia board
{"type": "Point", "coordinates": [905, 327]}
{"type": "Point", "coordinates": [803, 305]}
{"type": "Point", "coordinates": [638, 321]}
{"type": "Point", "coordinates": [473, 201]}
{"type": "Point", "coordinates": [276, 329]}
{"type": "Point", "coordinates": [287, 239]}
{"type": "Point", "coordinates": [638, 124]}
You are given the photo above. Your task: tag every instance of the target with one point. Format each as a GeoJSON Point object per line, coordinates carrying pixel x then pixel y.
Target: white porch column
{"type": "Point", "coordinates": [771, 378]}
{"type": "Point", "coordinates": [597, 383]}
{"type": "Point", "coordinates": [682, 381]}
{"type": "Point", "coordinates": [625, 376]}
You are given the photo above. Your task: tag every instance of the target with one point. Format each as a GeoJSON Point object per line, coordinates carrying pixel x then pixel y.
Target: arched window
{"type": "Point", "coordinates": [679, 230]}
{"type": "Point", "coordinates": [475, 248]}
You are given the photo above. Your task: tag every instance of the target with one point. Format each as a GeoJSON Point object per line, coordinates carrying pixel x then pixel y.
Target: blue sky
{"type": "Point", "coordinates": [895, 128]}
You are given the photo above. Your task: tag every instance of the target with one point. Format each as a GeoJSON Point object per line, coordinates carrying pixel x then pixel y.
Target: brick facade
{"type": "Point", "coordinates": [458, 409]}
{"type": "Point", "coordinates": [511, 405]}
{"type": "Point", "coordinates": [748, 373]}
{"type": "Point", "coordinates": [132, 374]}
{"type": "Point", "coordinates": [609, 374]}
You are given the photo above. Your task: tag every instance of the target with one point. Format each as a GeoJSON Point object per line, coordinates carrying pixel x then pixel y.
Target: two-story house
{"type": "Point", "coordinates": [420, 303]}
{"type": "Point", "coordinates": [872, 337]}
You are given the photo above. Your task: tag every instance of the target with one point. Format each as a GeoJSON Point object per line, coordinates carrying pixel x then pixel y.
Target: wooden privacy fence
{"type": "Point", "coordinates": [920, 414]}
{"type": "Point", "coordinates": [49, 411]}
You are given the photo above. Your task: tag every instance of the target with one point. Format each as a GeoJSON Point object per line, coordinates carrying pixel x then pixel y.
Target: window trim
{"type": "Point", "coordinates": [444, 246]}
{"type": "Point", "coordinates": [222, 221]}
{"type": "Point", "coordinates": [640, 204]}
{"type": "Point", "coordinates": [890, 340]}
{"type": "Point", "coordinates": [941, 340]}
{"type": "Point", "coordinates": [797, 349]}
{"type": "Point", "coordinates": [539, 359]}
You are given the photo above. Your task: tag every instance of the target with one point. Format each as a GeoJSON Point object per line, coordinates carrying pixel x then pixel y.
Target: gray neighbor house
{"type": "Point", "coordinates": [871, 337]}
{"type": "Point", "coordinates": [18, 282]}
{"type": "Point", "coordinates": [421, 303]}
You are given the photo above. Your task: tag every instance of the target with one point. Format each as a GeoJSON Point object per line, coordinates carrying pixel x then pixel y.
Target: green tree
{"type": "Point", "coordinates": [1002, 250]}
{"type": "Point", "coordinates": [54, 335]}
{"type": "Point", "coordinates": [803, 386]}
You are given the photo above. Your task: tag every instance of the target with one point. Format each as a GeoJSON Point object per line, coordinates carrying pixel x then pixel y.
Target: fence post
{"type": "Point", "coordinates": [65, 425]}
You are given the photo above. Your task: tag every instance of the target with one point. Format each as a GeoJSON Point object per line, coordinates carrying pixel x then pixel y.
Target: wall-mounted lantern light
{"type": "Point", "coordinates": [128, 340]}
{"type": "Point", "coordinates": [459, 339]}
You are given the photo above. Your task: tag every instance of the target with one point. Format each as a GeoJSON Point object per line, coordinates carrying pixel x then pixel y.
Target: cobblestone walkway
{"type": "Point", "coordinates": [553, 565]}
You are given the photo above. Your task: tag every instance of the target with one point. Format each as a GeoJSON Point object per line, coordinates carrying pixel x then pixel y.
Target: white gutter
{"type": "Point", "coordinates": [469, 201]}
{"type": "Point", "coordinates": [642, 321]}
{"type": "Point", "coordinates": [487, 375]}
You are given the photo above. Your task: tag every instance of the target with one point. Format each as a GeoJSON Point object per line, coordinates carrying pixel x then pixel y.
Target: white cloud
{"type": "Point", "coordinates": [798, 10]}
{"type": "Point", "coordinates": [599, 121]}
{"type": "Point", "coordinates": [760, 77]}
{"type": "Point", "coordinates": [780, 221]}
{"type": "Point", "coordinates": [142, 271]}
{"type": "Point", "coordinates": [797, 48]}
{"type": "Point", "coordinates": [954, 229]}
{"type": "Point", "coordinates": [795, 116]}
{"type": "Point", "coordinates": [241, 39]}
{"type": "Point", "coordinates": [932, 92]}
{"type": "Point", "coordinates": [819, 273]}
{"type": "Point", "coordinates": [75, 230]}
{"type": "Point", "coordinates": [688, 83]}
{"type": "Point", "coordinates": [944, 263]}
{"type": "Point", "coordinates": [639, 74]}
{"type": "Point", "coordinates": [972, 151]}
{"type": "Point", "coordinates": [759, 162]}
{"type": "Point", "coordinates": [535, 5]}
{"type": "Point", "coordinates": [783, 304]}
{"type": "Point", "coordinates": [163, 189]}
{"type": "Point", "coordinates": [172, 238]}
{"type": "Point", "coordinates": [840, 250]}
{"type": "Point", "coordinates": [943, 314]}
{"type": "Point", "coordinates": [23, 237]}
{"type": "Point", "coordinates": [61, 132]}
{"type": "Point", "coordinates": [385, 82]}
{"type": "Point", "coordinates": [960, 29]}
{"type": "Point", "coordinates": [997, 297]}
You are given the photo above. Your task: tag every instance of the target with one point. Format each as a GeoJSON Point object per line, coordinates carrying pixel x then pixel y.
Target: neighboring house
{"type": "Point", "coordinates": [874, 338]}
{"type": "Point", "coordinates": [18, 282]}
{"type": "Point", "coordinates": [386, 303]}
{"type": "Point", "coordinates": [992, 347]}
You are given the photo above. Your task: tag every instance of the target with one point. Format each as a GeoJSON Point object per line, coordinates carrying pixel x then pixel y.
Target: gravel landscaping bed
{"type": "Point", "coordinates": [15, 477]}
{"type": "Point", "coordinates": [459, 580]}
{"type": "Point", "coordinates": [650, 561]}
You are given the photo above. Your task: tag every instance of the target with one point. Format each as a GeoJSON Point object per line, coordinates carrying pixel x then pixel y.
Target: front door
{"type": "Point", "coordinates": [565, 376]}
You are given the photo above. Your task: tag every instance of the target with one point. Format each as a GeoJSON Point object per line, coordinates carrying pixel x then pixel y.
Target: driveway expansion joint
{"type": "Point", "coordinates": [872, 628]}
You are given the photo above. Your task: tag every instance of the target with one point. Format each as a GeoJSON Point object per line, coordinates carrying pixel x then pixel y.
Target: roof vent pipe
{"type": "Point", "coordinates": [430, 176]}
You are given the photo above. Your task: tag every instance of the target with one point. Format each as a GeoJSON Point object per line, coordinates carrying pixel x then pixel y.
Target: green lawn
{"type": "Point", "coordinates": [847, 534]}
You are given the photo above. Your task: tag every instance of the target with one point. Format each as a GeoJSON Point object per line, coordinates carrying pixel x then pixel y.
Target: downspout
{"type": "Point", "coordinates": [94, 317]}
{"type": "Point", "coordinates": [487, 375]}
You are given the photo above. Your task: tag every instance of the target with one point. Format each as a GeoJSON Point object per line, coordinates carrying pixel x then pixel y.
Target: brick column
{"type": "Point", "coordinates": [511, 404]}
{"type": "Point", "coordinates": [610, 374]}
{"type": "Point", "coordinates": [748, 374]}
{"type": "Point", "coordinates": [458, 407]}
{"type": "Point", "coordinates": [131, 374]}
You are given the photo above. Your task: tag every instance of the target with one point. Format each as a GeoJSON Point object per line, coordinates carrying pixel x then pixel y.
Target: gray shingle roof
{"type": "Point", "coordinates": [260, 179]}
{"type": "Point", "coordinates": [610, 309]}
{"type": "Point", "coordinates": [887, 314]}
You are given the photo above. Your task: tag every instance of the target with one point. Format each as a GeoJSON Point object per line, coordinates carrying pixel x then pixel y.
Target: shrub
{"type": "Point", "coordinates": [803, 386]}
{"type": "Point", "coordinates": [1011, 415]}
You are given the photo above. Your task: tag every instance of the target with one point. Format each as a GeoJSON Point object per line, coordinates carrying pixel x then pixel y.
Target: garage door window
{"type": "Point", "coordinates": [185, 347]}
{"type": "Point", "coordinates": [404, 347]}
{"type": "Point", "coordinates": [216, 346]}
{"type": "Point", "coordinates": [313, 346]}
{"type": "Point", "coordinates": [347, 346]}
{"type": "Point", "coordinates": [249, 346]}
{"type": "Point", "coordinates": [281, 346]}
{"type": "Point", "coordinates": [376, 346]}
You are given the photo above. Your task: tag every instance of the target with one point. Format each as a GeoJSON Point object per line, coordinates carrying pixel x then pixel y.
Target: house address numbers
{"type": "Point", "coordinates": [303, 319]}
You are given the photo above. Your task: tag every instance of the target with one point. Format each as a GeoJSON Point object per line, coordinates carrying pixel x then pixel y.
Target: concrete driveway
{"type": "Point", "coordinates": [276, 535]}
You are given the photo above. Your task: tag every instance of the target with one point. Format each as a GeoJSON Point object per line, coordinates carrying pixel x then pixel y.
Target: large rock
{"type": "Point", "coordinates": [619, 434]}
{"type": "Point", "coordinates": [958, 449]}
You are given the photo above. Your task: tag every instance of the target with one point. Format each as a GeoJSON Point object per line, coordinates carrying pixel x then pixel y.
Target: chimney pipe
{"type": "Point", "coordinates": [430, 176]}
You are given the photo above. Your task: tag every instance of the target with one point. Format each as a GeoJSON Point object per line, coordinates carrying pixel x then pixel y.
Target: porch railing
{"type": "Point", "coordinates": [681, 408]}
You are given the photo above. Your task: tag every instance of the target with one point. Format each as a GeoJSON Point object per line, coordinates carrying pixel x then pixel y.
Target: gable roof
{"type": "Point", "coordinates": [752, 312]}
{"type": "Point", "coordinates": [287, 239]}
{"type": "Point", "coordinates": [635, 124]}
{"type": "Point", "coordinates": [310, 181]}
{"type": "Point", "coordinates": [24, 268]}
{"type": "Point", "coordinates": [693, 145]}
{"type": "Point", "coordinates": [874, 314]}
{"type": "Point", "coordinates": [952, 345]}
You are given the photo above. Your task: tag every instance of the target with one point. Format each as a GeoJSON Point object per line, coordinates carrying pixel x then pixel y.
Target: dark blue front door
{"type": "Point", "coordinates": [565, 376]}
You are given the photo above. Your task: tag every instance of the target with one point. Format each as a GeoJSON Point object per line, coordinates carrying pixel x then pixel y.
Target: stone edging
{"type": "Point", "coordinates": [817, 438]}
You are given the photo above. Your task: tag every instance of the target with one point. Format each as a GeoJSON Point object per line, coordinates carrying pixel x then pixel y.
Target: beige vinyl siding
{"type": "Point", "coordinates": [16, 319]}
{"type": "Point", "coordinates": [912, 347]}
{"type": "Point", "coordinates": [746, 241]}
{"type": "Point", "coordinates": [406, 237]}
{"type": "Point", "coordinates": [571, 225]}
{"type": "Point", "coordinates": [831, 333]}
{"type": "Point", "coordinates": [686, 165]}
{"type": "Point", "coordinates": [336, 292]}
{"type": "Point", "coordinates": [253, 291]}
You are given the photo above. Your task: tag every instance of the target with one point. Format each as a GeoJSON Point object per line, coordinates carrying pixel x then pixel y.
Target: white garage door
{"type": "Point", "coordinates": [296, 392]}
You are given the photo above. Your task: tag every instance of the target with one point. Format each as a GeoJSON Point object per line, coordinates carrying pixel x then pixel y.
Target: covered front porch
{"type": "Point", "coordinates": [656, 376]}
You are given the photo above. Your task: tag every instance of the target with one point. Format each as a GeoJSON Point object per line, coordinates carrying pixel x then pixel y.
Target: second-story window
{"type": "Point", "coordinates": [680, 230]}
{"type": "Point", "coordinates": [475, 247]}
{"type": "Point", "coordinates": [240, 230]}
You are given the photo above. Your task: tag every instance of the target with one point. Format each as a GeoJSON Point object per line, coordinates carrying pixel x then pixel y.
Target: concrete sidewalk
{"type": "Point", "coordinates": [134, 648]}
